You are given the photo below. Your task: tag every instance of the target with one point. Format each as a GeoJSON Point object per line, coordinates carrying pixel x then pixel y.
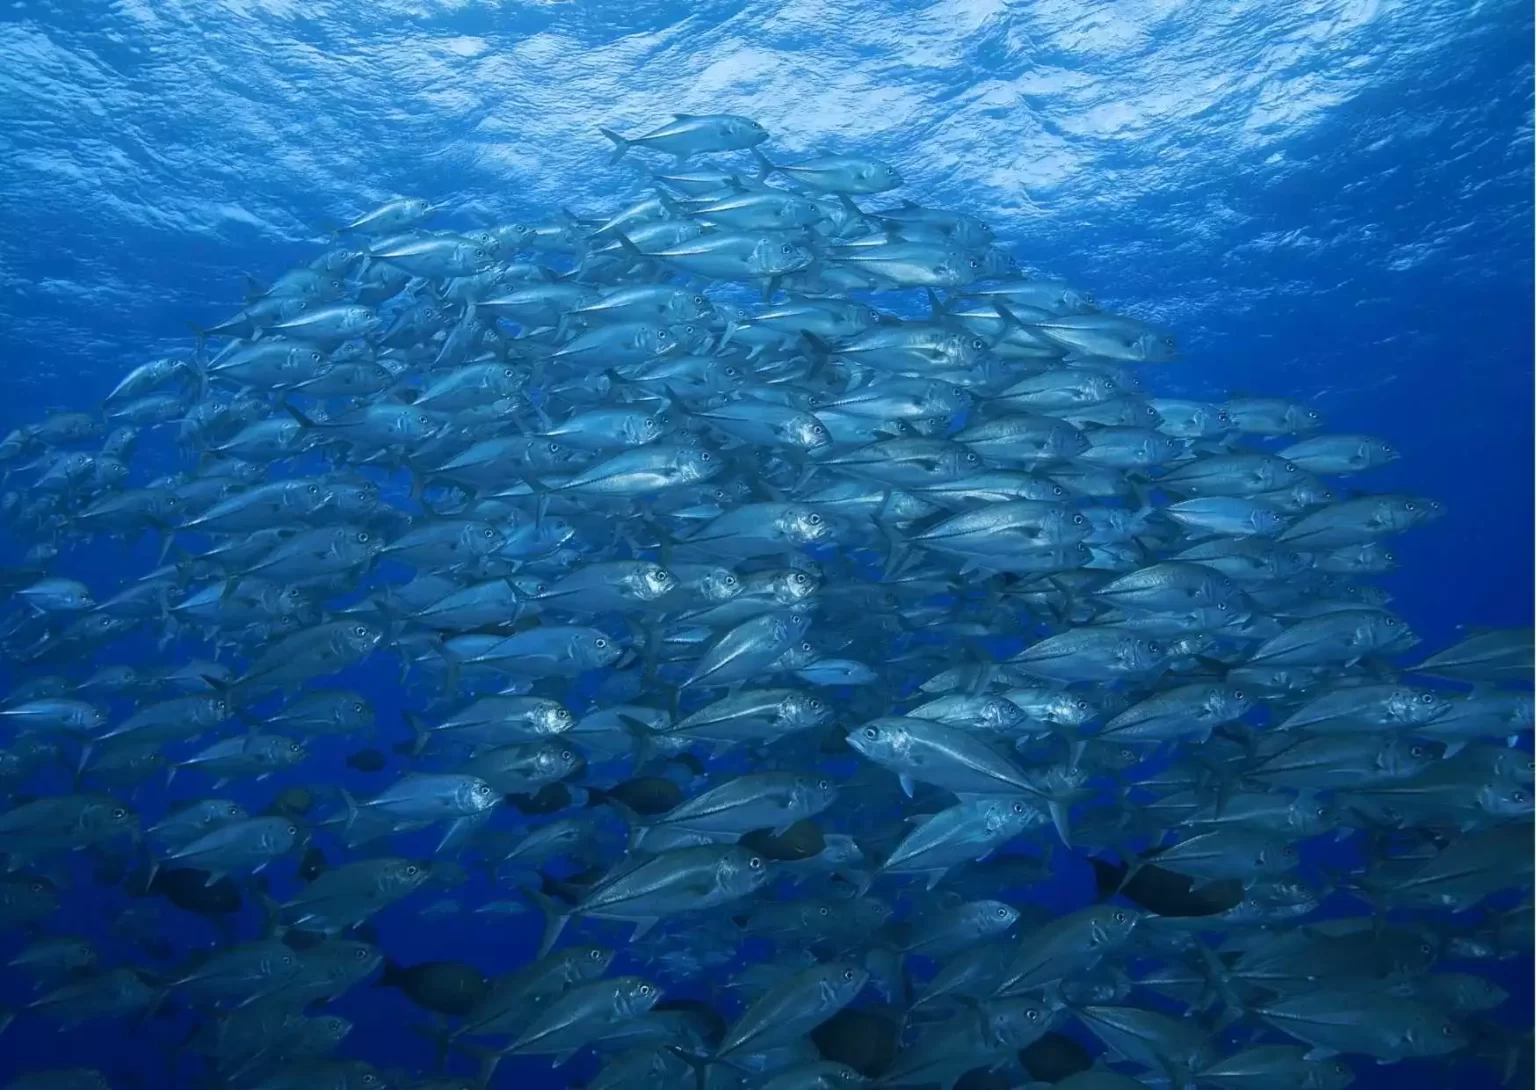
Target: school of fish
{"type": "Point", "coordinates": [781, 583]}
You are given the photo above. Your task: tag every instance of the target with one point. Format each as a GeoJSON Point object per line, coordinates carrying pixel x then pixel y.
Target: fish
{"type": "Point", "coordinates": [827, 631]}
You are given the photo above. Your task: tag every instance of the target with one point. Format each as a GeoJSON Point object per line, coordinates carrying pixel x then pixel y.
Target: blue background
{"type": "Point", "coordinates": [1325, 199]}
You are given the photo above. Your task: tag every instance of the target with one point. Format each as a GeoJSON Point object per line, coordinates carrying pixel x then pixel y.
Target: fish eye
{"type": "Point", "coordinates": [315, 356]}
{"type": "Point", "coordinates": [1426, 698]}
{"type": "Point", "coordinates": [1082, 705]}
{"type": "Point", "coordinates": [823, 784]}
{"type": "Point", "coordinates": [488, 533]}
{"type": "Point", "coordinates": [362, 537]}
{"type": "Point", "coordinates": [508, 372]}
{"type": "Point", "coordinates": [974, 263]}
{"type": "Point", "coordinates": [423, 418]}
{"type": "Point", "coordinates": [1391, 622]}
{"type": "Point", "coordinates": [848, 975]}
{"type": "Point", "coordinates": [480, 253]}
{"type": "Point", "coordinates": [595, 955]}
{"type": "Point", "coordinates": [313, 490]}
{"type": "Point", "coordinates": [1416, 751]}
{"type": "Point", "coordinates": [755, 863]}
{"type": "Point", "coordinates": [1290, 467]}
{"type": "Point", "coordinates": [730, 372]}
{"type": "Point", "coordinates": [645, 989]}
{"type": "Point", "coordinates": [294, 747]}
{"type": "Point", "coordinates": [554, 448]}
{"type": "Point", "coordinates": [699, 300]}
{"type": "Point", "coordinates": [37, 887]}
{"type": "Point", "coordinates": [1120, 917]}
{"type": "Point", "coordinates": [705, 456]}
{"type": "Point", "coordinates": [1002, 913]}
{"type": "Point", "coordinates": [799, 577]}
{"type": "Point", "coordinates": [813, 519]}
{"type": "Point", "coordinates": [1517, 796]}
{"type": "Point", "coordinates": [978, 344]}
{"type": "Point", "coordinates": [823, 911]}
{"type": "Point", "coordinates": [871, 733]}
{"type": "Point", "coordinates": [1078, 520]}
{"type": "Point", "coordinates": [786, 248]}
{"type": "Point", "coordinates": [119, 813]}
{"type": "Point", "coordinates": [600, 643]}
{"type": "Point", "coordinates": [662, 334]}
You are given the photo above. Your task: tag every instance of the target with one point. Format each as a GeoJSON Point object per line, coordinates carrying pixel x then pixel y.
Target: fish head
{"type": "Point", "coordinates": [633, 996]}
{"type": "Point", "coordinates": [740, 872]}
{"type": "Point", "coordinates": [683, 306]}
{"type": "Point", "coordinates": [806, 432]}
{"type": "Point", "coordinates": [360, 636]}
{"type": "Point", "coordinates": [653, 582]}
{"type": "Point", "coordinates": [697, 464]}
{"type": "Point", "coordinates": [842, 982]}
{"type": "Point", "coordinates": [594, 649]}
{"type": "Point", "coordinates": [1382, 632]}
{"type": "Point", "coordinates": [562, 762]}
{"type": "Point", "coordinates": [1224, 703]}
{"type": "Point", "coordinates": [585, 962]}
{"type": "Point", "coordinates": [1417, 706]}
{"type": "Point", "coordinates": [412, 424]}
{"type": "Point", "coordinates": [1404, 757]}
{"type": "Point", "coordinates": [687, 336]}
{"type": "Point", "coordinates": [743, 130]}
{"type": "Point", "coordinates": [400, 875]}
{"type": "Point", "coordinates": [1503, 799]}
{"type": "Point", "coordinates": [881, 740]}
{"type": "Point", "coordinates": [801, 711]}
{"type": "Point", "coordinates": [1310, 815]}
{"type": "Point", "coordinates": [481, 538]}
{"type": "Point", "coordinates": [777, 256]}
{"type": "Point", "coordinates": [1154, 348]}
{"type": "Point", "coordinates": [991, 917]}
{"type": "Point", "coordinates": [1434, 1035]}
{"type": "Point", "coordinates": [1409, 511]}
{"type": "Point", "coordinates": [641, 429]}
{"type": "Point", "coordinates": [1017, 1023]}
{"type": "Point", "coordinates": [813, 794]}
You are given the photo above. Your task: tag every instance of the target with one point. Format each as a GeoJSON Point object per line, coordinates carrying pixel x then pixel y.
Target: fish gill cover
{"type": "Point", "coordinates": [992, 550]}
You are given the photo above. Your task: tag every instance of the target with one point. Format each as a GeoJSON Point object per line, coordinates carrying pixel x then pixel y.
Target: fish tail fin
{"type": "Point", "coordinates": [1107, 877]}
{"type": "Point", "coordinates": [621, 144]}
{"type": "Point", "coordinates": [640, 742]}
{"type": "Point", "coordinates": [304, 421]}
{"type": "Point", "coordinates": [765, 167]}
{"type": "Point", "coordinates": [556, 916]}
{"type": "Point", "coordinates": [419, 736]}
{"type": "Point", "coordinates": [351, 804]}
{"type": "Point", "coordinates": [634, 821]}
{"type": "Point", "coordinates": [1009, 314]}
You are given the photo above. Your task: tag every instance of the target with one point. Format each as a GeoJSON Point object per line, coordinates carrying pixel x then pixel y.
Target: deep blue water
{"type": "Point", "coordinates": [1327, 200]}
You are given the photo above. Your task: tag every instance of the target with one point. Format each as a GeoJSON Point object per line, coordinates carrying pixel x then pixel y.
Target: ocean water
{"type": "Point", "coordinates": [1327, 200]}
